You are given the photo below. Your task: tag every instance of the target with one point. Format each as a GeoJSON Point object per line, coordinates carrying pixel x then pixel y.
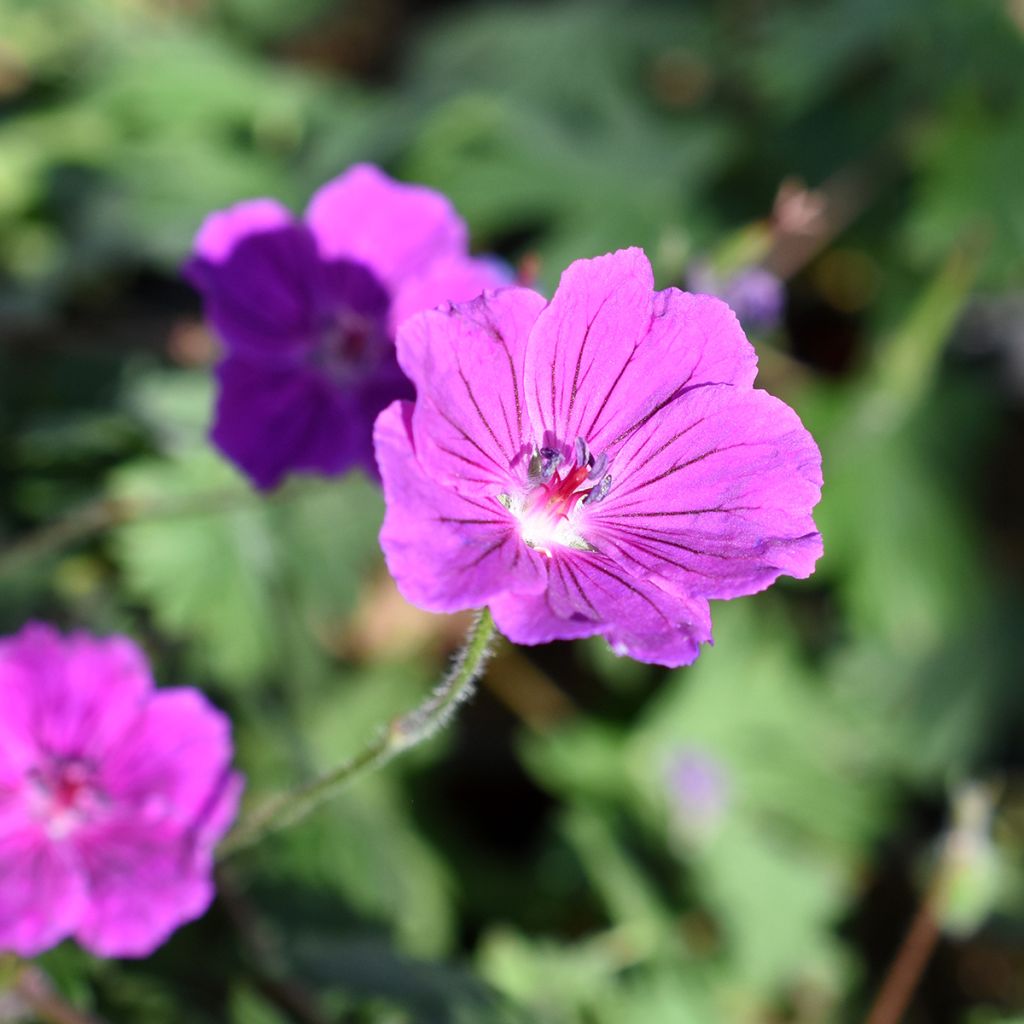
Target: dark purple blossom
{"type": "Point", "coordinates": [756, 295]}
{"type": "Point", "coordinates": [112, 796]}
{"type": "Point", "coordinates": [597, 464]}
{"type": "Point", "coordinates": [307, 312]}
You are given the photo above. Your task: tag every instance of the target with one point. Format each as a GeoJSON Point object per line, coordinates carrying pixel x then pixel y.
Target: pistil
{"type": "Point", "coordinates": [547, 512]}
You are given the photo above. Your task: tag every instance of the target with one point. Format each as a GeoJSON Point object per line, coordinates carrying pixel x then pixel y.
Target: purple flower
{"type": "Point", "coordinates": [307, 311]}
{"type": "Point", "coordinates": [698, 791]}
{"type": "Point", "coordinates": [112, 796]}
{"type": "Point", "coordinates": [599, 464]}
{"type": "Point", "coordinates": [756, 295]}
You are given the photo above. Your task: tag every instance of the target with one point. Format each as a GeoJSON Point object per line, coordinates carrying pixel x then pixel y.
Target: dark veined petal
{"type": "Point", "coordinates": [466, 362]}
{"type": "Point", "coordinates": [589, 594]}
{"type": "Point", "coordinates": [447, 551]}
{"type": "Point", "coordinates": [608, 353]}
{"type": "Point", "coordinates": [716, 496]}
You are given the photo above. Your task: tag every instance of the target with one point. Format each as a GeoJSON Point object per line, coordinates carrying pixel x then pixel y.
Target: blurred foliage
{"type": "Point", "coordinates": [542, 862]}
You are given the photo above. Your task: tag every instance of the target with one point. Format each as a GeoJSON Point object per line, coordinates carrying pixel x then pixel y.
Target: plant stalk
{"type": "Point", "coordinates": [401, 733]}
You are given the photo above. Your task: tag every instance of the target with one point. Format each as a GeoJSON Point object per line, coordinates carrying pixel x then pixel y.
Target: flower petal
{"type": "Point", "coordinates": [222, 231]}
{"type": "Point", "coordinates": [530, 619]}
{"type": "Point", "coordinates": [447, 551]}
{"type": "Point", "coordinates": [42, 897]}
{"type": "Point", "coordinates": [265, 295]}
{"type": "Point", "coordinates": [142, 882]}
{"type": "Point", "coordinates": [716, 495]}
{"type": "Point", "coordinates": [395, 229]}
{"type": "Point", "coordinates": [608, 353]}
{"type": "Point", "coordinates": [467, 365]}
{"type": "Point", "coordinates": [271, 420]}
{"type": "Point", "coordinates": [589, 593]}
{"type": "Point", "coordinates": [172, 766]}
{"type": "Point", "coordinates": [68, 696]}
{"type": "Point", "coordinates": [451, 279]}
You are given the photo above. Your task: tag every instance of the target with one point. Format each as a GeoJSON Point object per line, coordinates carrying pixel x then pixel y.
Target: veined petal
{"type": "Point", "coordinates": [393, 228]}
{"type": "Point", "coordinates": [466, 362]}
{"type": "Point", "coordinates": [530, 619]}
{"type": "Point", "coordinates": [640, 617]}
{"type": "Point", "coordinates": [265, 295]}
{"type": "Point", "coordinates": [608, 353]}
{"type": "Point", "coordinates": [446, 550]}
{"type": "Point", "coordinates": [717, 497]}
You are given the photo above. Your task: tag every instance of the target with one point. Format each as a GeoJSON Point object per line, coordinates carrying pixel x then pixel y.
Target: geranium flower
{"type": "Point", "coordinates": [599, 464]}
{"type": "Point", "coordinates": [307, 312]}
{"type": "Point", "coordinates": [112, 796]}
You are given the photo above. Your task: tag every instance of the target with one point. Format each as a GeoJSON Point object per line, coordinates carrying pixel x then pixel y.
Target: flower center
{"type": "Point", "coordinates": [549, 509]}
{"type": "Point", "coordinates": [349, 346]}
{"type": "Point", "coordinates": [63, 794]}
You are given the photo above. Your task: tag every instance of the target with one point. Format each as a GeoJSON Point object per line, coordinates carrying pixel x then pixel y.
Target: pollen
{"type": "Point", "coordinates": [549, 509]}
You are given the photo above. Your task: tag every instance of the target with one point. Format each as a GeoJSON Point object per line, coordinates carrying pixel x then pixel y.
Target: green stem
{"type": "Point", "coordinates": [403, 732]}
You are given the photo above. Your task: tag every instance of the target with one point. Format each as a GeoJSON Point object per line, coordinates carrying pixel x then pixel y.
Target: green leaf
{"type": "Point", "coordinates": [207, 575]}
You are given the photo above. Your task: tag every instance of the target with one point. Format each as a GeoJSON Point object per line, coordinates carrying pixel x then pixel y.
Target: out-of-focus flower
{"type": "Point", "coordinates": [307, 312]}
{"type": "Point", "coordinates": [112, 796]}
{"type": "Point", "coordinates": [599, 464]}
{"type": "Point", "coordinates": [698, 792]}
{"type": "Point", "coordinates": [756, 295]}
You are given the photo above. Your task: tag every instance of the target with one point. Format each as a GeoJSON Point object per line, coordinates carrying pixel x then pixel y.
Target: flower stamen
{"type": "Point", "coordinates": [547, 511]}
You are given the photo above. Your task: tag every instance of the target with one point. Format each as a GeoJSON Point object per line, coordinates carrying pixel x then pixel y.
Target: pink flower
{"type": "Point", "coordinates": [112, 796]}
{"type": "Point", "coordinates": [307, 311]}
{"type": "Point", "coordinates": [599, 464]}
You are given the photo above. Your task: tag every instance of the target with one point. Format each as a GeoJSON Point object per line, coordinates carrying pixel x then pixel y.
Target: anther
{"type": "Point", "coordinates": [543, 464]}
{"type": "Point", "coordinates": [600, 491]}
{"type": "Point", "coordinates": [582, 452]}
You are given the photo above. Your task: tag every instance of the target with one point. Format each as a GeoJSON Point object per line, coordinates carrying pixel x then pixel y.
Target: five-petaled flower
{"type": "Point", "coordinates": [112, 796]}
{"type": "Point", "coordinates": [307, 312]}
{"type": "Point", "coordinates": [599, 464]}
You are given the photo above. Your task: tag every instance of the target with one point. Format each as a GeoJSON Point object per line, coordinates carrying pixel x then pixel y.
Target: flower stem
{"type": "Point", "coordinates": [401, 733]}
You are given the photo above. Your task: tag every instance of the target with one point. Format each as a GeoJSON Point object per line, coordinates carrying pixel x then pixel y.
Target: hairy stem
{"type": "Point", "coordinates": [400, 734]}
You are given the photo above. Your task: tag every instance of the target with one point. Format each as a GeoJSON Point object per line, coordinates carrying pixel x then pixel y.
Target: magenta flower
{"type": "Point", "coordinates": [112, 796]}
{"type": "Point", "coordinates": [599, 464]}
{"type": "Point", "coordinates": [307, 312]}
